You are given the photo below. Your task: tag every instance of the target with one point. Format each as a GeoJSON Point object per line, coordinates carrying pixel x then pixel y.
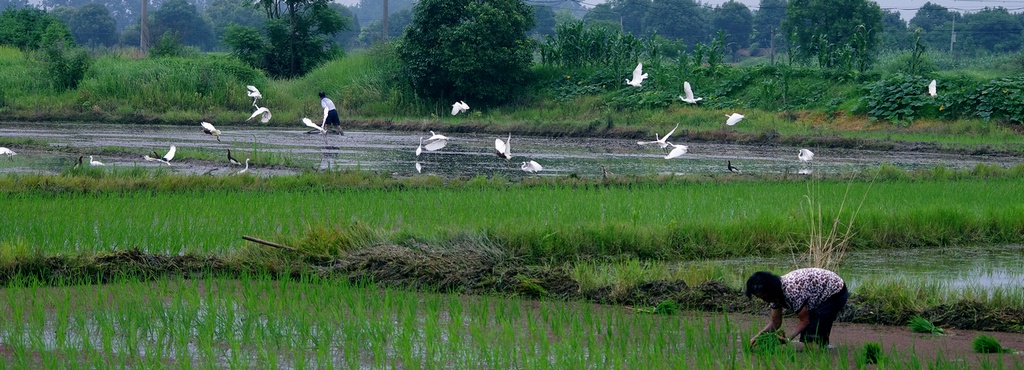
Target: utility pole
{"type": "Point", "coordinates": [771, 47]}
{"type": "Point", "coordinates": [952, 36]}
{"type": "Point", "coordinates": [144, 30]}
{"type": "Point", "coordinates": [384, 21]}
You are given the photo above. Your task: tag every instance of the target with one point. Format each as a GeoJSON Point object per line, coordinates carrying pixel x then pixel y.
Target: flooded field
{"type": "Point", "coordinates": [465, 154]}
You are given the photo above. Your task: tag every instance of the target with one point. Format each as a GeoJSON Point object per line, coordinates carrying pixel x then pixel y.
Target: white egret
{"type": "Point", "coordinates": [804, 171]}
{"type": "Point", "coordinates": [246, 169]}
{"type": "Point", "coordinates": [731, 167]}
{"type": "Point", "coordinates": [419, 149]}
{"type": "Point", "coordinates": [689, 94]}
{"type": "Point", "coordinates": [310, 123]}
{"type": "Point", "coordinates": [253, 93]}
{"type": "Point", "coordinates": [9, 153]}
{"type": "Point", "coordinates": [931, 89]}
{"type": "Point", "coordinates": [805, 155]}
{"type": "Point", "coordinates": [663, 141]}
{"type": "Point", "coordinates": [677, 151]}
{"type": "Point", "coordinates": [210, 130]}
{"type": "Point", "coordinates": [638, 76]}
{"type": "Point", "coordinates": [261, 111]}
{"type": "Point", "coordinates": [733, 118]}
{"type": "Point", "coordinates": [435, 145]}
{"type": "Point", "coordinates": [434, 136]}
{"type": "Point", "coordinates": [459, 107]}
{"type": "Point", "coordinates": [504, 149]}
{"type": "Point", "coordinates": [166, 158]}
{"type": "Point", "coordinates": [232, 159]}
{"type": "Point", "coordinates": [93, 162]}
{"type": "Point", "coordinates": [419, 168]}
{"type": "Point", "coordinates": [531, 167]}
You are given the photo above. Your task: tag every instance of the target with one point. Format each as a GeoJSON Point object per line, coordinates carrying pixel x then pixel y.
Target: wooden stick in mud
{"type": "Point", "coordinates": [272, 244]}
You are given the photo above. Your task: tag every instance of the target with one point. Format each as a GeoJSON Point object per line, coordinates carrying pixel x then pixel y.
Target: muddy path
{"type": "Point", "coordinates": [51, 148]}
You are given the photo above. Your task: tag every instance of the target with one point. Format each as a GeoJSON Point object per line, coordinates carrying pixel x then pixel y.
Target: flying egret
{"type": "Point", "coordinates": [435, 136]}
{"type": "Point", "coordinates": [10, 153]}
{"type": "Point", "coordinates": [435, 145]}
{"type": "Point", "coordinates": [246, 169]}
{"type": "Point", "coordinates": [459, 107]}
{"type": "Point", "coordinates": [504, 149]}
{"type": "Point", "coordinates": [253, 93]}
{"type": "Point", "coordinates": [93, 162]}
{"type": "Point", "coordinates": [166, 158]}
{"type": "Point", "coordinates": [260, 110]}
{"type": "Point", "coordinates": [210, 130]}
{"type": "Point", "coordinates": [663, 141]}
{"type": "Point", "coordinates": [638, 76]}
{"type": "Point", "coordinates": [531, 167]}
{"type": "Point", "coordinates": [805, 155]}
{"type": "Point", "coordinates": [232, 159]}
{"type": "Point", "coordinates": [734, 118]}
{"type": "Point", "coordinates": [419, 149]}
{"type": "Point", "coordinates": [931, 89]}
{"type": "Point", "coordinates": [310, 123]}
{"type": "Point", "coordinates": [689, 94]}
{"type": "Point", "coordinates": [731, 167]}
{"type": "Point", "coordinates": [677, 150]}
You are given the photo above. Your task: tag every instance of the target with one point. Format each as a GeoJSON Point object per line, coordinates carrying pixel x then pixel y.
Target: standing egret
{"type": "Point", "coordinates": [638, 76]}
{"type": "Point", "coordinates": [689, 94]}
{"type": "Point", "coordinates": [734, 118]}
{"type": "Point", "coordinates": [419, 149]}
{"type": "Point", "coordinates": [246, 169]}
{"type": "Point", "coordinates": [232, 159]}
{"type": "Point", "coordinates": [805, 155]}
{"type": "Point", "coordinates": [731, 167]}
{"type": "Point", "coordinates": [531, 167]}
{"type": "Point", "coordinates": [931, 89]}
{"type": "Point", "coordinates": [662, 142]}
{"type": "Point", "coordinates": [459, 107]}
{"type": "Point", "coordinates": [504, 149]}
{"type": "Point", "coordinates": [93, 162]}
{"type": "Point", "coordinates": [210, 130]}
{"type": "Point", "coordinates": [260, 111]}
{"type": "Point", "coordinates": [677, 150]}
{"type": "Point", "coordinates": [310, 123]}
{"type": "Point", "coordinates": [9, 153]}
{"type": "Point", "coordinates": [253, 93]}
{"type": "Point", "coordinates": [166, 158]}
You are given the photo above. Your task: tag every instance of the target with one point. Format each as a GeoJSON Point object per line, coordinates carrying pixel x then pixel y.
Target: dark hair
{"type": "Point", "coordinates": [765, 284]}
{"type": "Point", "coordinates": [322, 95]}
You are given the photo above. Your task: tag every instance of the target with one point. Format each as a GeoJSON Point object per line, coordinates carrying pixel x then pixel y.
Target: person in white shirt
{"type": "Point", "coordinates": [330, 114]}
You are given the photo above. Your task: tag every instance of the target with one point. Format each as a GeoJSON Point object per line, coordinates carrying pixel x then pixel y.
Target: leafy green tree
{"type": "Point", "coordinates": [124, 12]}
{"type": "Point", "coordinates": [677, 19]}
{"type": "Point", "coordinates": [894, 35]}
{"type": "Point", "coordinates": [632, 15]}
{"type": "Point", "coordinates": [92, 25]}
{"type": "Point", "coordinates": [602, 12]}
{"type": "Point", "coordinates": [768, 22]}
{"type": "Point", "coordinates": [184, 21]}
{"type": "Point", "coordinates": [349, 35]}
{"type": "Point", "coordinates": [544, 18]}
{"type": "Point", "coordinates": [296, 37]}
{"type": "Point", "coordinates": [833, 30]}
{"type": "Point", "coordinates": [64, 64]}
{"type": "Point", "coordinates": [936, 22]}
{"type": "Point", "coordinates": [736, 20]}
{"type": "Point", "coordinates": [472, 50]}
{"type": "Point", "coordinates": [371, 33]}
{"type": "Point", "coordinates": [223, 13]}
{"type": "Point", "coordinates": [25, 28]}
{"type": "Point", "coordinates": [993, 30]}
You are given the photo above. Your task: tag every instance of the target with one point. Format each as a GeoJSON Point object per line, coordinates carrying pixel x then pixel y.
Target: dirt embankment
{"type": "Point", "coordinates": [477, 272]}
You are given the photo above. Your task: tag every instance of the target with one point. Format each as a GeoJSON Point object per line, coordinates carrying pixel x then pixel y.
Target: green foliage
{"type": "Point", "coordinates": [987, 344]}
{"type": "Point", "coordinates": [871, 353]}
{"type": "Point", "coordinates": [169, 46]}
{"type": "Point", "coordinates": [919, 324]}
{"type": "Point", "coordinates": [769, 343]}
{"type": "Point", "coordinates": [667, 307]}
{"type": "Point", "coordinates": [181, 19]}
{"type": "Point", "coordinates": [577, 45]}
{"type": "Point", "coordinates": [840, 33]}
{"type": "Point", "coordinates": [65, 65]}
{"type": "Point", "coordinates": [1000, 98]}
{"type": "Point", "coordinates": [27, 28]}
{"type": "Point", "coordinates": [468, 50]}
{"type": "Point", "coordinates": [899, 99]}
{"type": "Point", "coordinates": [292, 43]}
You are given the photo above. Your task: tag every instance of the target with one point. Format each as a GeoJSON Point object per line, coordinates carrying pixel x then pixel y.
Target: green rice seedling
{"type": "Point", "coordinates": [871, 353]}
{"type": "Point", "coordinates": [919, 324]}
{"type": "Point", "coordinates": [987, 344]}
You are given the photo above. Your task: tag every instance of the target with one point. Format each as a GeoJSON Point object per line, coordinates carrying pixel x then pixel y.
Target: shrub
{"type": "Point", "coordinates": [1000, 98]}
{"type": "Point", "coordinates": [898, 99]}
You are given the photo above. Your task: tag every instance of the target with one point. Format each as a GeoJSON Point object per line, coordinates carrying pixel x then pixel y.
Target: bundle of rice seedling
{"type": "Point", "coordinates": [919, 324]}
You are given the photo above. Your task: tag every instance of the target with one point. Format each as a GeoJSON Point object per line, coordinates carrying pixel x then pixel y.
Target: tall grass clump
{"type": "Point", "coordinates": [871, 353]}
{"type": "Point", "coordinates": [826, 244]}
{"type": "Point", "coordinates": [919, 324]}
{"type": "Point", "coordinates": [987, 344]}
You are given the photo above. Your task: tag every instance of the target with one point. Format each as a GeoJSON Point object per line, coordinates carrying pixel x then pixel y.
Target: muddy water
{"type": "Point", "coordinates": [465, 155]}
{"type": "Point", "coordinates": [985, 267]}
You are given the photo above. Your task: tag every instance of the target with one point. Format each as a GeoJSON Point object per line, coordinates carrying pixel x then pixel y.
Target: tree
{"type": "Point", "coordinates": [736, 20]}
{"type": "Point", "coordinates": [604, 13]}
{"type": "Point", "coordinates": [768, 22]}
{"type": "Point", "coordinates": [833, 30]}
{"type": "Point", "coordinates": [296, 37]}
{"type": "Point", "coordinates": [676, 19]}
{"type": "Point", "coordinates": [349, 35]}
{"type": "Point", "coordinates": [631, 15]}
{"type": "Point", "coordinates": [894, 33]}
{"type": "Point", "coordinates": [472, 50]}
{"type": "Point", "coordinates": [372, 33]}
{"type": "Point", "coordinates": [222, 13]}
{"type": "Point", "coordinates": [544, 18]}
{"type": "Point", "coordinates": [124, 12]}
{"type": "Point", "coordinates": [92, 25]}
{"type": "Point", "coordinates": [25, 28]}
{"type": "Point", "coordinates": [992, 29]}
{"type": "Point", "coordinates": [182, 20]}
{"type": "Point", "coordinates": [937, 23]}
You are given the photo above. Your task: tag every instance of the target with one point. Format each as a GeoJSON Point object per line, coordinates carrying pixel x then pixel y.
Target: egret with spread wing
{"type": "Point", "coordinates": [663, 141]}
{"type": "Point", "coordinates": [689, 94]}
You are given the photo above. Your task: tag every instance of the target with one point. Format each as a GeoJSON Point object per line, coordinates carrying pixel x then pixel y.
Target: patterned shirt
{"type": "Point", "coordinates": [809, 287]}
